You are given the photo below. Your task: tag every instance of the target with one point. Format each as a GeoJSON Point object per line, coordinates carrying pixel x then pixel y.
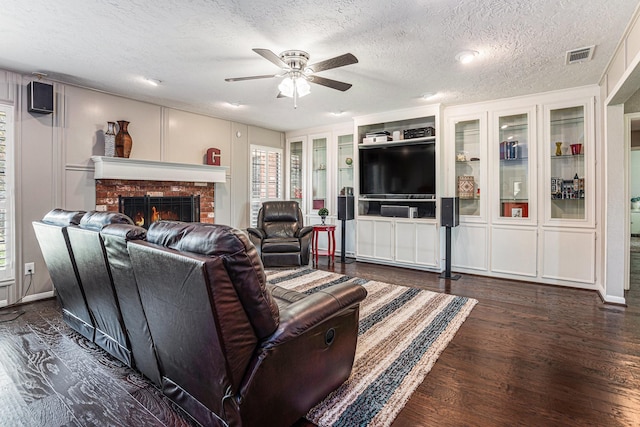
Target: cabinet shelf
{"type": "Point", "coordinates": [519, 159]}
{"type": "Point", "coordinates": [567, 121]}
{"type": "Point", "coordinates": [398, 142]}
{"type": "Point", "coordinates": [568, 156]}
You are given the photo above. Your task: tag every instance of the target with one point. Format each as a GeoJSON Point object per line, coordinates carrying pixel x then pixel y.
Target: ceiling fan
{"type": "Point", "coordinates": [297, 74]}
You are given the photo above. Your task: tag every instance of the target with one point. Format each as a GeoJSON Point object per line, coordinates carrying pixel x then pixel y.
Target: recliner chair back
{"type": "Point", "coordinates": [52, 236]}
{"type": "Point", "coordinates": [116, 238]}
{"type": "Point", "coordinates": [207, 307]}
{"type": "Point", "coordinates": [95, 275]}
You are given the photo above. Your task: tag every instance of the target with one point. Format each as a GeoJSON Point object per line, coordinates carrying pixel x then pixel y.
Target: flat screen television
{"type": "Point", "coordinates": [398, 171]}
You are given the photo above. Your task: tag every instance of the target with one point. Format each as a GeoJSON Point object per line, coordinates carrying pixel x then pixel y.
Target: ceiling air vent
{"type": "Point", "coordinates": [580, 55]}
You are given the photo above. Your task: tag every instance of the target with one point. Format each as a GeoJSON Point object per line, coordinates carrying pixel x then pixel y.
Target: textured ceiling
{"type": "Point", "coordinates": [405, 48]}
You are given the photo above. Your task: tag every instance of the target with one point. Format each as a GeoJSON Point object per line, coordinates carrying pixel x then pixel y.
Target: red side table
{"type": "Point", "coordinates": [331, 242]}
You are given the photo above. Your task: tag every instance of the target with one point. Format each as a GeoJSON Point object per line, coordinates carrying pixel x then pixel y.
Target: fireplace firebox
{"type": "Point", "coordinates": [145, 210]}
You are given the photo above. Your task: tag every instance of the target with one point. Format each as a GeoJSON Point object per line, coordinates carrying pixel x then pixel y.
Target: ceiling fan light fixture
{"type": "Point", "coordinates": [286, 87]}
{"type": "Point", "coordinates": [298, 84]}
{"type": "Point", "coordinates": [466, 56]}
{"type": "Point", "coordinates": [302, 87]}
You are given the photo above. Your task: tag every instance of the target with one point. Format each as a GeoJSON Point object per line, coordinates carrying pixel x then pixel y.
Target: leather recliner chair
{"type": "Point", "coordinates": [95, 276]}
{"type": "Point", "coordinates": [51, 233]}
{"type": "Point", "coordinates": [280, 236]}
{"type": "Point", "coordinates": [230, 346]}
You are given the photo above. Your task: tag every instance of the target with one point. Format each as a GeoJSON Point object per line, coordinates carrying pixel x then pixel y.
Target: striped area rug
{"type": "Point", "coordinates": [402, 332]}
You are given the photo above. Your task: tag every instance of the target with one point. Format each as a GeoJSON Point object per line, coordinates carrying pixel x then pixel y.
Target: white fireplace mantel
{"type": "Point", "coordinates": [148, 170]}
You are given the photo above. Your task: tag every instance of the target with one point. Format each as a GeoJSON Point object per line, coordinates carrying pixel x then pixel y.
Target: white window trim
{"type": "Point", "coordinates": [8, 275]}
{"type": "Point", "coordinates": [268, 149]}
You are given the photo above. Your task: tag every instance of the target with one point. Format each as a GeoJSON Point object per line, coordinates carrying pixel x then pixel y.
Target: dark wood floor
{"type": "Point", "coordinates": [528, 355]}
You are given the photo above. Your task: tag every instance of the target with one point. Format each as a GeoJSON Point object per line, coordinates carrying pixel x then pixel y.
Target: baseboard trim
{"type": "Point", "coordinates": [36, 297]}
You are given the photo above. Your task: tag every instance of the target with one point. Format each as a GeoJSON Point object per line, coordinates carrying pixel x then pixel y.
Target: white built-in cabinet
{"type": "Point", "coordinates": [406, 242]}
{"type": "Point", "coordinates": [525, 172]}
{"type": "Point", "coordinates": [398, 241]}
{"type": "Point", "coordinates": [319, 166]}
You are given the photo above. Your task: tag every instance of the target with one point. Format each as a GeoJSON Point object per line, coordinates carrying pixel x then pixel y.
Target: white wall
{"type": "Point", "coordinates": [620, 81]}
{"type": "Point", "coordinates": [54, 169]}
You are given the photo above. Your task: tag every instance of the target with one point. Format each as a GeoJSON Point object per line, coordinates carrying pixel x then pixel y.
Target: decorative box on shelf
{"type": "Point", "coordinates": [466, 187]}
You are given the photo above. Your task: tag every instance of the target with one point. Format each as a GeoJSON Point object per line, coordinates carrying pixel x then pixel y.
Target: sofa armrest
{"type": "Point", "coordinates": [304, 231]}
{"type": "Point", "coordinates": [313, 310]}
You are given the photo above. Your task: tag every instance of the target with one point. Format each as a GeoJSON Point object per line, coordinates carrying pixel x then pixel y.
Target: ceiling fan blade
{"type": "Point", "coordinates": [270, 56]}
{"type": "Point", "coordinates": [333, 84]}
{"type": "Point", "coordinates": [280, 95]}
{"type": "Point", "coordinates": [239, 79]}
{"type": "Point", "coordinates": [338, 61]}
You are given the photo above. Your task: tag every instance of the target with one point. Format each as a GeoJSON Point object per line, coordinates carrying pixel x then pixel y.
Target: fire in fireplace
{"type": "Point", "coordinates": [145, 210]}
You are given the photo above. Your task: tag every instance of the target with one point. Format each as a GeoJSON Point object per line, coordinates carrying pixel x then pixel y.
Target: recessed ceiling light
{"type": "Point", "coordinates": [152, 82]}
{"type": "Point", "coordinates": [236, 104]}
{"type": "Point", "coordinates": [429, 95]}
{"type": "Point", "coordinates": [338, 113]}
{"type": "Point", "coordinates": [466, 56]}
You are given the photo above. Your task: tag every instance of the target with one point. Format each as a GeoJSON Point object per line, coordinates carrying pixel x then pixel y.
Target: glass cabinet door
{"type": "Point", "coordinates": [567, 163]}
{"type": "Point", "coordinates": [514, 165]}
{"type": "Point", "coordinates": [468, 162]}
{"type": "Point", "coordinates": [319, 173]}
{"type": "Point", "coordinates": [295, 172]}
{"type": "Point", "coordinates": [345, 165]}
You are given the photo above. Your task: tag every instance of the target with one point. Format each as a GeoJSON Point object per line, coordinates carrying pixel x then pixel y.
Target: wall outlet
{"type": "Point", "coordinates": [29, 268]}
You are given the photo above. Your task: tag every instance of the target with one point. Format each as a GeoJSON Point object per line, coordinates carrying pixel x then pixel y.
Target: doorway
{"type": "Point", "coordinates": [632, 133]}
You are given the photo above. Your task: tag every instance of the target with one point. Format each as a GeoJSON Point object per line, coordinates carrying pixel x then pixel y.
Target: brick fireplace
{"type": "Point", "coordinates": [118, 177]}
{"type": "Point", "coordinates": [109, 190]}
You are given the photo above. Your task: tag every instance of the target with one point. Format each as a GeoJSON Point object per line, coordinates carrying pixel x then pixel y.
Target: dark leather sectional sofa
{"type": "Point", "coordinates": [188, 305]}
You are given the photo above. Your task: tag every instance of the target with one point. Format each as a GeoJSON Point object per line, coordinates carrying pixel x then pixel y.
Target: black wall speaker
{"type": "Point", "coordinates": [40, 98]}
{"type": "Point", "coordinates": [345, 208]}
{"type": "Point", "coordinates": [449, 211]}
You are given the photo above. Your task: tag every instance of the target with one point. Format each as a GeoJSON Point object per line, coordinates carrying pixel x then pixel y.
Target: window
{"type": "Point", "coordinates": [6, 195]}
{"type": "Point", "coordinates": [266, 177]}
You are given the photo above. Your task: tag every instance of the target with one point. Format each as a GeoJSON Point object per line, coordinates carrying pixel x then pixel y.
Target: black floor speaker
{"type": "Point", "coordinates": [345, 213]}
{"type": "Point", "coordinates": [345, 208]}
{"type": "Point", "coordinates": [449, 211]}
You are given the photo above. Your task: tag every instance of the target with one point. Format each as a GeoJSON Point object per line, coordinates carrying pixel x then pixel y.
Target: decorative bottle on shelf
{"type": "Point", "coordinates": [110, 140]}
{"type": "Point", "coordinates": [123, 140]}
{"type": "Point", "coordinates": [558, 148]}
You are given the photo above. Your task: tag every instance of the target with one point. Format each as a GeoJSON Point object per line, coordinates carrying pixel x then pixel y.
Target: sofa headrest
{"type": "Point", "coordinates": [63, 218]}
{"type": "Point", "coordinates": [165, 233]}
{"type": "Point", "coordinates": [195, 237]}
{"type": "Point", "coordinates": [124, 231]}
{"type": "Point", "coordinates": [94, 220]}
{"type": "Point", "coordinates": [286, 211]}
